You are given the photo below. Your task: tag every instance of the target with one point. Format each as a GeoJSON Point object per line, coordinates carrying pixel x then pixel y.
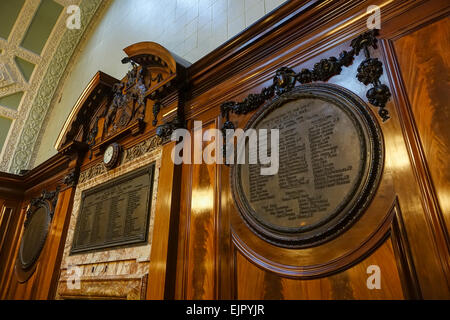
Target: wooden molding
{"type": "Point", "coordinates": [99, 86]}
{"type": "Point", "coordinates": [429, 200]}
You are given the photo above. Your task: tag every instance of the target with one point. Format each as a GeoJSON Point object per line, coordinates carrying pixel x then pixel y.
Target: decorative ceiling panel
{"type": "Point", "coordinates": [41, 26]}
{"type": "Point", "coordinates": [12, 101]}
{"type": "Point", "coordinates": [9, 11]}
{"type": "Point", "coordinates": [5, 123]}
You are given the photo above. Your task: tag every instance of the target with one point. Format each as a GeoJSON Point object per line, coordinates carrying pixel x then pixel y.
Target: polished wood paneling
{"type": "Point", "coordinates": [165, 235]}
{"type": "Point", "coordinates": [424, 61]}
{"type": "Point", "coordinates": [9, 243]}
{"type": "Point", "coordinates": [6, 213]}
{"type": "Point", "coordinates": [349, 284]}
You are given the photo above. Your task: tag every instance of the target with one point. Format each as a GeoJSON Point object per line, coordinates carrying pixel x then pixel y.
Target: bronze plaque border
{"type": "Point", "coordinates": [143, 238]}
{"type": "Point", "coordinates": [363, 191]}
{"type": "Point", "coordinates": [45, 229]}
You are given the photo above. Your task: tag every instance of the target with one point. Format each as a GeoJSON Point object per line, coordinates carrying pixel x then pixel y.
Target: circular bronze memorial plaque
{"type": "Point", "coordinates": [330, 162]}
{"type": "Point", "coordinates": [34, 237]}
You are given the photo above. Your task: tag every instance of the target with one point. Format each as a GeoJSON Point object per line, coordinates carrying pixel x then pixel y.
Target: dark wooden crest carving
{"type": "Point", "coordinates": [110, 109]}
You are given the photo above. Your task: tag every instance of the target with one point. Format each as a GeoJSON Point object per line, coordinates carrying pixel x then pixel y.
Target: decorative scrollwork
{"type": "Point", "coordinates": [46, 196]}
{"type": "Point", "coordinates": [165, 130]}
{"type": "Point", "coordinates": [92, 172]}
{"type": "Point", "coordinates": [369, 72]}
{"type": "Point", "coordinates": [141, 149]}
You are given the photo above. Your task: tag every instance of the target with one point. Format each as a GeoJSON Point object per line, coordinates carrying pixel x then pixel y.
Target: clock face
{"type": "Point", "coordinates": [109, 152]}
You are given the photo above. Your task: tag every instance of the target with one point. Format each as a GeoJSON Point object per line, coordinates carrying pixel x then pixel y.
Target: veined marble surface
{"type": "Point", "coordinates": [101, 271]}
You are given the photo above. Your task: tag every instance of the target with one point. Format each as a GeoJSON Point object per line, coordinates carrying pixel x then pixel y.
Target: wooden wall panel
{"type": "Point", "coordinates": [424, 60]}
{"type": "Point", "coordinates": [42, 284]}
{"type": "Point", "coordinates": [9, 247]}
{"type": "Point", "coordinates": [55, 247]}
{"type": "Point", "coordinates": [201, 252]}
{"type": "Point", "coordinates": [349, 284]}
{"type": "Point", "coordinates": [164, 243]}
{"type": "Point", "coordinates": [6, 215]}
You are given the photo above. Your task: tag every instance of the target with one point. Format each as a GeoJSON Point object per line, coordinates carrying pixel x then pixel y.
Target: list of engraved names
{"type": "Point", "coordinates": [115, 214]}
{"type": "Point", "coordinates": [320, 157]}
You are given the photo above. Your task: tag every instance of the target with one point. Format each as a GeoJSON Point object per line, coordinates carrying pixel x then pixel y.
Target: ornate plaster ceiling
{"type": "Point", "coordinates": [35, 48]}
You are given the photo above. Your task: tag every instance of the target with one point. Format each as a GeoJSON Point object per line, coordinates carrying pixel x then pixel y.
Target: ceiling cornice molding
{"type": "Point", "coordinates": [25, 132]}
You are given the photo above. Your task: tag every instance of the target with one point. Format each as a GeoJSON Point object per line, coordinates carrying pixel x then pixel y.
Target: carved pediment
{"type": "Point", "coordinates": [109, 109]}
{"type": "Point", "coordinates": [77, 125]}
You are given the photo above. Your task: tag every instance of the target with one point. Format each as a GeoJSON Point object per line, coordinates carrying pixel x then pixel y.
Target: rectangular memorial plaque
{"type": "Point", "coordinates": [115, 213]}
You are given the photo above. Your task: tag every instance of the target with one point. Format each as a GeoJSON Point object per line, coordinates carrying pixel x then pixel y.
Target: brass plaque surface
{"type": "Point", "coordinates": [329, 163]}
{"type": "Point", "coordinates": [115, 213]}
{"type": "Point", "coordinates": [34, 237]}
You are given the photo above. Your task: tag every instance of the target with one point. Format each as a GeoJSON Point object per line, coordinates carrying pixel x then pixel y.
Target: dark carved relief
{"type": "Point", "coordinates": [148, 78]}
{"type": "Point", "coordinates": [156, 110]}
{"type": "Point", "coordinates": [71, 179]}
{"type": "Point", "coordinates": [82, 121]}
{"type": "Point", "coordinates": [141, 149]}
{"type": "Point", "coordinates": [165, 130]}
{"type": "Point", "coordinates": [128, 103]}
{"type": "Point", "coordinates": [369, 72]}
{"type": "Point", "coordinates": [109, 109]}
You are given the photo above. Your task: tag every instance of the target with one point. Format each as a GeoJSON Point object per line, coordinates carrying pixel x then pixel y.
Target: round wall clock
{"type": "Point", "coordinates": [111, 155]}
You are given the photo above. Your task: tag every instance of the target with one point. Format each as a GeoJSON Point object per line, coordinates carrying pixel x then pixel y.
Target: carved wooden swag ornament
{"type": "Point", "coordinates": [285, 79]}
{"type": "Point", "coordinates": [149, 78]}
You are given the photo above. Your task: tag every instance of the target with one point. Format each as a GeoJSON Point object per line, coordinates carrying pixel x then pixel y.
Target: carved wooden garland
{"type": "Point", "coordinates": [369, 72]}
{"type": "Point", "coordinates": [51, 196]}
